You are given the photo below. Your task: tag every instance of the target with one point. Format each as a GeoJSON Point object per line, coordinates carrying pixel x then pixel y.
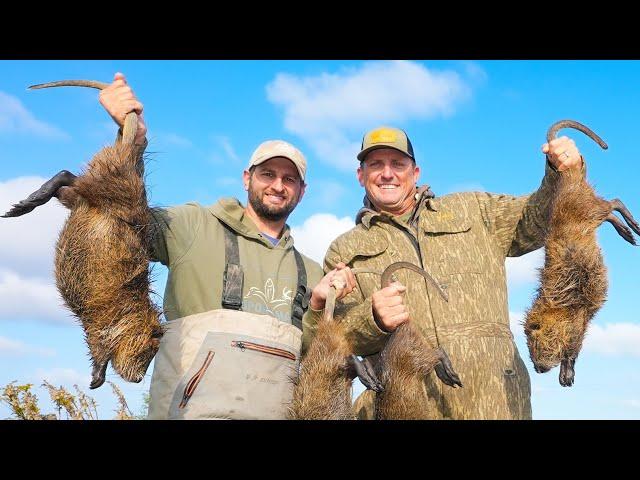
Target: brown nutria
{"type": "Point", "coordinates": [102, 254]}
{"type": "Point", "coordinates": [573, 281]}
{"type": "Point", "coordinates": [323, 388]}
{"type": "Point", "coordinates": [405, 361]}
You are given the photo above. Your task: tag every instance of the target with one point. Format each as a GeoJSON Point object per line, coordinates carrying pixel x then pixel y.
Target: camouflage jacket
{"type": "Point", "coordinates": [462, 240]}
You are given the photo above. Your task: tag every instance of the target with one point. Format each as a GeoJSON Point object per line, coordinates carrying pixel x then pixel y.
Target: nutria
{"type": "Point", "coordinates": [573, 281]}
{"type": "Point", "coordinates": [103, 253]}
{"type": "Point", "coordinates": [405, 361]}
{"type": "Point", "coordinates": [323, 388]}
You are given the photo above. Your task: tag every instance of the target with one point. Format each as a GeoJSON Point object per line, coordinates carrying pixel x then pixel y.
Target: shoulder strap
{"type": "Point", "coordinates": [300, 302]}
{"type": "Point", "coordinates": [233, 278]}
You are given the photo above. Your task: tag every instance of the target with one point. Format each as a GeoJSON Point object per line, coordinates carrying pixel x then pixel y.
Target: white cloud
{"type": "Point", "coordinates": [225, 143]}
{"type": "Point", "coordinates": [524, 269]}
{"type": "Point", "coordinates": [321, 109]}
{"type": "Point", "coordinates": [15, 118]}
{"type": "Point", "coordinates": [30, 298]}
{"type": "Point", "coordinates": [27, 243]}
{"type": "Point", "coordinates": [474, 72]}
{"type": "Point", "coordinates": [632, 403]}
{"type": "Point", "coordinates": [10, 347]}
{"type": "Point", "coordinates": [614, 339]}
{"type": "Point", "coordinates": [317, 232]}
{"type": "Point", "coordinates": [611, 339]}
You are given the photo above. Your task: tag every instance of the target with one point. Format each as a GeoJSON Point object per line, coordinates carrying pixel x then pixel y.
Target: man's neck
{"type": "Point", "coordinates": [272, 228]}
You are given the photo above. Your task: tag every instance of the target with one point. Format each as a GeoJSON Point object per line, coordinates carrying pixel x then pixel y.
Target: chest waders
{"type": "Point", "coordinates": [226, 363]}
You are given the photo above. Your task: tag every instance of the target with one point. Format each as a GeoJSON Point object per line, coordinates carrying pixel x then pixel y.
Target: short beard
{"type": "Point", "coordinates": [269, 213]}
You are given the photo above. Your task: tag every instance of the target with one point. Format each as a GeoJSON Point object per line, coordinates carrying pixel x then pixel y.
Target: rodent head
{"type": "Point", "coordinates": [131, 361]}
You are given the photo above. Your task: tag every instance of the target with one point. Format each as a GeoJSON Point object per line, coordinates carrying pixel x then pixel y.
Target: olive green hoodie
{"type": "Point", "coordinates": [189, 240]}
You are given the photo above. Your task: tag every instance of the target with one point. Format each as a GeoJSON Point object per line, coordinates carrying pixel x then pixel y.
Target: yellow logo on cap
{"type": "Point", "coordinates": [383, 135]}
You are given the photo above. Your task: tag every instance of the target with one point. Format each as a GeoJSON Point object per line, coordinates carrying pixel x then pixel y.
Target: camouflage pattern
{"type": "Point", "coordinates": [463, 240]}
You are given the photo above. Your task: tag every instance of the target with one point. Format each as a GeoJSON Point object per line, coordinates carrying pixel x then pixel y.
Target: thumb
{"type": "Point", "coordinates": [119, 76]}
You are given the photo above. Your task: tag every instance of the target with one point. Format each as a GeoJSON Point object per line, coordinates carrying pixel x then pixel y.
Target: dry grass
{"type": "Point", "coordinates": [24, 403]}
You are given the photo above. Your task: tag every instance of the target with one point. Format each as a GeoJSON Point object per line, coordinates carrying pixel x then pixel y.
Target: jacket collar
{"type": "Point", "coordinates": [423, 200]}
{"type": "Point", "coordinates": [231, 212]}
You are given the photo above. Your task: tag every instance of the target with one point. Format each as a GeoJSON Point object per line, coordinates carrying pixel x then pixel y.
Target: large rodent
{"type": "Point", "coordinates": [573, 281]}
{"type": "Point", "coordinates": [323, 388]}
{"type": "Point", "coordinates": [102, 254]}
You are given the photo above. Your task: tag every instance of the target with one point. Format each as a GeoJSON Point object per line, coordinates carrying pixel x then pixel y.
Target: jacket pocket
{"type": "Point", "coordinates": [250, 378]}
{"type": "Point", "coordinates": [192, 384]}
{"type": "Point", "coordinates": [257, 347]}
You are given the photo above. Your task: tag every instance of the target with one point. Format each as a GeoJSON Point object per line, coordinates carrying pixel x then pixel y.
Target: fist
{"type": "Point", "coordinates": [389, 309]}
{"type": "Point", "coordinates": [118, 100]}
{"type": "Point", "coordinates": [341, 278]}
{"type": "Point", "coordinates": [563, 154]}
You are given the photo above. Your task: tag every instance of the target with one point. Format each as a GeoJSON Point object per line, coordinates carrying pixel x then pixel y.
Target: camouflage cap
{"type": "Point", "coordinates": [279, 148]}
{"type": "Point", "coordinates": [385, 137]}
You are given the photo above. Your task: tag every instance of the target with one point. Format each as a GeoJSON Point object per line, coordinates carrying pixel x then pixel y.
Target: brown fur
{"type": "Point", "coordinates": [323, 388]}
{"type": "Point", "coordinates": [573, 281]}
{"type": "Point", "coordinates": [404, 363]}
{"type": "Point", "coordinates": [102, 263]}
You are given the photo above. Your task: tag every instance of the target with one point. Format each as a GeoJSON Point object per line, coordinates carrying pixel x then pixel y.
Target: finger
{"type": "Point", "coordinates": [398, 319]}
{"type": "Point", "coordinates": [392, 301]}
{"type": "Point", "coordinates": [545, 148]}
{"type": "Point", "coordinates": [351, 278]}
{"type": "Point", "coordinates": [390, 312]}
{"type": "Point", "coordinates": [559, 141]}
{"type": "Point", "coordinates": [396, 287]}
{"type": "Point", "coordinates": [391, 291]}
{"type": "Point", "coordinates": [138, 107]}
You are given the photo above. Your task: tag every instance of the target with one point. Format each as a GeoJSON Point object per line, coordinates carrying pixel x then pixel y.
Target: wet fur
{"type": "Point", "coordinates": [102, 264]}
{"type": "Point", "coordinates": [404, 363]}
{"type": "Point", "coordinates": [573, 281]}
{"type": "Point", "coordinates": [323, 388]}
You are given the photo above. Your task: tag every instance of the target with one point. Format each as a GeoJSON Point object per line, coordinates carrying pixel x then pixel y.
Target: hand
{"type": "Point", "coordinates": [563, 154]}
{"type": "Point", "coordinates": [341, 278]}
{"type": "Point", "coordinates": [389, 309]}
{"type": "Point", "coordinates": [118, 100]}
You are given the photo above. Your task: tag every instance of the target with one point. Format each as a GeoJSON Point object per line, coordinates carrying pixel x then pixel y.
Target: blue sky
{"type": "Point", "coordinates": [474, 125]}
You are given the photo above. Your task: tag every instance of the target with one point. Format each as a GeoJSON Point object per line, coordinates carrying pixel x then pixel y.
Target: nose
{"type": "Point", "coordinates": [277, 184]}
{"type": "Point", "coordinates": [387, 172]}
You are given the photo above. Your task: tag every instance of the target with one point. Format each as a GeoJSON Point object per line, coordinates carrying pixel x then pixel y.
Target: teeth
{"type": "Point", "coordinates": [387, 187]}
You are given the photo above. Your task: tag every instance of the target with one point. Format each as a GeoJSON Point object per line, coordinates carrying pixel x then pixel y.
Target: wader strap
{"type": "Point", "coordinates": [303, 293]}
{"type": "Point", "coordinates": [233, 276]}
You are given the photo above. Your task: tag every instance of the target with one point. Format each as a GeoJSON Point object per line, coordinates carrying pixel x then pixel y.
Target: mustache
{"type": "Point", "coordinates": [277, 194]}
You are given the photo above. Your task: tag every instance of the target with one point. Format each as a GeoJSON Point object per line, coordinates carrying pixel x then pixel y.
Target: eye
{"type": "Point", "coordinates": [291, 180]}
{"type": "Point", "coordinates": [400, 164]}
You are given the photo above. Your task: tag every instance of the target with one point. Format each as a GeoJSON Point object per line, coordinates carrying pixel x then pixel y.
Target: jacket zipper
{"type": "Point", "coordinates": [195, 380]}
{"type": "Point", "coordinates": [242, 345]}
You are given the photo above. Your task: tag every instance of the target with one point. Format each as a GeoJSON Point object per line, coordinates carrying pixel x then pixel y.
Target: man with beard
{"type": "Point", "coordinates": [237, 289]}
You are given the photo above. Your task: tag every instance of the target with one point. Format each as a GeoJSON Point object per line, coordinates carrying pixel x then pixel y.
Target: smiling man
{"type": "Point", "coordinates": [237, 289]}
{"type": "Point", "coordinates": [461, 240]}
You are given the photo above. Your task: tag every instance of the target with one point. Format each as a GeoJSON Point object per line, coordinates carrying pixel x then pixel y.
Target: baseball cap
{"type": "Point", "coordinates": [279, 148]}
{"type": "Point", "coordinates": [385, 137]}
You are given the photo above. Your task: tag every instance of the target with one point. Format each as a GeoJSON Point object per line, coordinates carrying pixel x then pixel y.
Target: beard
{"type": "Point", "coordinates": [270, 212]}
